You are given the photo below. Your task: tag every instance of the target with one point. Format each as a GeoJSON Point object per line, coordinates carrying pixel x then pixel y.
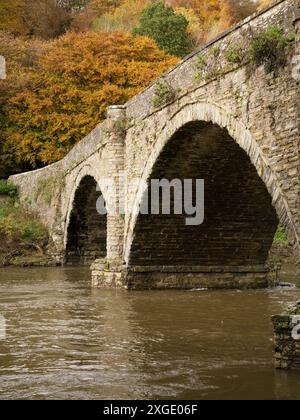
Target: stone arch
{"type": "Point", "coordinates": [85, 237]}
{"type": "Point", "coordinates": [238, 132]}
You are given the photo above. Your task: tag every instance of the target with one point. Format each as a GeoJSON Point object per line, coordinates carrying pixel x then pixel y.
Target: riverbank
{"type": "Point", "coordinates": [24, 240]}
{"type": "Point", "coordinates": [18, 254]}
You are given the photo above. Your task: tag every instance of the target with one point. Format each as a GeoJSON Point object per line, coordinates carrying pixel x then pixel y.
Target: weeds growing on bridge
{"type": "Point", "coordinates": [164, 93]}
{"type": "Point", "coordinates": [270, 48]}
{"type": "Point", "coordinates": [235, 54]}
{"type": "Point", "coordinates": [280, 236]}
{"type": "Point", "coordinates": [208, 67]}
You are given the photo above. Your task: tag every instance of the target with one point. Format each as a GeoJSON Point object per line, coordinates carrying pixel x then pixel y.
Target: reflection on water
{"type": "Point", "coordinates": [65, 340]}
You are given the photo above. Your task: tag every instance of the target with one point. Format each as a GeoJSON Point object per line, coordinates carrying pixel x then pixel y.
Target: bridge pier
{"type": "Point", "coordinates": [296, 76]}
{"type": "Point", "coordinates": [109, 271]}
{"type": "Point", "coordinates": [109, 274]}
{"type": "Point", "coordinates": [116, 119]}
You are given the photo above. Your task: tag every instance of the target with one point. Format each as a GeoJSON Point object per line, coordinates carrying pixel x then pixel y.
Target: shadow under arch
{"type": "Point", "coordinates": [240, 221]}
{"type": "Point", "coordinates": [86, 238]}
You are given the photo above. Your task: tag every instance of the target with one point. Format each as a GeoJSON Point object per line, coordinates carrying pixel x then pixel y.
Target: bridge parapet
{"type": "Point", "coordinates": [185, 78]}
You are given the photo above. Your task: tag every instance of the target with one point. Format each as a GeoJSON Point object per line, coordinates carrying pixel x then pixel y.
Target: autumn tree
{"type": "Point", "coordinates": [39, 18]}
{"type": "Point", "coordinates": [45, 18]}
{"type": "Point", "coordinates": [11, 16]}
{"type": "Point", "coordinates": [21, 62]}
{"type": "Point", "coordinates": [125, 17]}
{"type": "Point", "coordinates": [78, 77]}
{"type": "Point", "coordinates": [217, 15]}
{"type": "Point", "coordinates": [73, 5]}
{"type": "Point", "coordinates": [167, 28]}
{"type": "Point", "coordinates": [265, 3]}
{"type": "Point", "coordinates": [104, 6]}
{"type": "Point", "coordinates": [206, 19]}
{"type": "Point", "coordinates": [234, 11]}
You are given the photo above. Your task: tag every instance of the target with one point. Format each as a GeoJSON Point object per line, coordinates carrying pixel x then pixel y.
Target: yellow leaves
{"type": "Point", "coordinates": [264, 3]}
{"type": "Point", "coordinates": [191, 17]}
{"type": "Point", "coordinates": [124, 17]}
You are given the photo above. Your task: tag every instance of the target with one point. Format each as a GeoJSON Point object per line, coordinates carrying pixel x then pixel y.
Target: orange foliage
{"type": "Point", "coordinates": [21, 56]}
{"type": "Point", "coordinates": [265, 3]}
{"type": "Point", "coordinates": [41, 18]}
{"type": "Point", "coordinates": [56, 92]}
{"type": "Point", "coordinates": [78, 76]}
{"type": "Point", "coordinates": [215, 15]}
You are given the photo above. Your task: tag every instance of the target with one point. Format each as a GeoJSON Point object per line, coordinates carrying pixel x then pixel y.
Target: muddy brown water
{"type": "Point", "coordinates": [67, 341]}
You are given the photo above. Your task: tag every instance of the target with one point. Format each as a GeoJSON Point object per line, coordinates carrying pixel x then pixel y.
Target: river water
{"type": "Point", "coordinates": [67, 341]}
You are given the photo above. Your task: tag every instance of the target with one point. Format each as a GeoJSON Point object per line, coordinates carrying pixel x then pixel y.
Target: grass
{"type": "Point", "coordinates": [280, 236]}
{"type": "Point", "coordinates": [270, 48]}
{"type": "Point", "coordinates": [8, 189]}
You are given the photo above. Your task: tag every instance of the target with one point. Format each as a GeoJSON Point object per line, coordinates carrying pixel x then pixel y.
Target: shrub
{"type": "Point", "coordinates": [269, 48]}
{"type": "Point", "coordinates": [235, 54]}
{"type": "Point", "coordinates": [280, 236]}
{"type": "Point", "coordinates": [7, 188]}
{"type": "Point", "coordinates": [16, 225]}
{"type": "Point", "coordinates": [167, 28]}
{"type": "Point", "coordinates": [164, 93]}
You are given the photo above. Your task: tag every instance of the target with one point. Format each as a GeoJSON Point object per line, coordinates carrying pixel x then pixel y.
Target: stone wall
{"type": "Point", "coordinates": [50, 192]}
{"type": "Point", "coordinates": [286, 347]}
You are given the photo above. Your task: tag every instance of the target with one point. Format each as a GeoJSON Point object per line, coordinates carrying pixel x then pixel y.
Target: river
{"type": "Point", "coordinates": [67, 341]}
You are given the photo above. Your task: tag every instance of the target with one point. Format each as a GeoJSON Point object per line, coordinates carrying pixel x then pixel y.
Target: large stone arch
{"type": "Point", "coordinates": [212, 113]}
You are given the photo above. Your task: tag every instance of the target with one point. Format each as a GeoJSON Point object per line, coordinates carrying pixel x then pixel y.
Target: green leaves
{"type": "Point", "coordinates": [167, 28]}
{"type": "Point", "coordinates": [8, 189]}
{"type": "Point", "coordinates": [269, 48]}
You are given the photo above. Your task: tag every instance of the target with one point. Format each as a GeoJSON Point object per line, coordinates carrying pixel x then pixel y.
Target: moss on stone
{"type": "Point", "coordinates": [164, 93]}
{"type": "Point", "coordinates": [46, 187]}
{"type": "Point", "coordinates": [280, 236]}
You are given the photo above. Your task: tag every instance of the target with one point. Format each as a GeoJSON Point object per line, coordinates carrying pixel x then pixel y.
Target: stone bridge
{"type": "Point", "coordinates": [215, 116]}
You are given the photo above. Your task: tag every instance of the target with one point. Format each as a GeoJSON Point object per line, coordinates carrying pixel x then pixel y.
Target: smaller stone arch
{"type": "Point", "coordinates": [86, 229]}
